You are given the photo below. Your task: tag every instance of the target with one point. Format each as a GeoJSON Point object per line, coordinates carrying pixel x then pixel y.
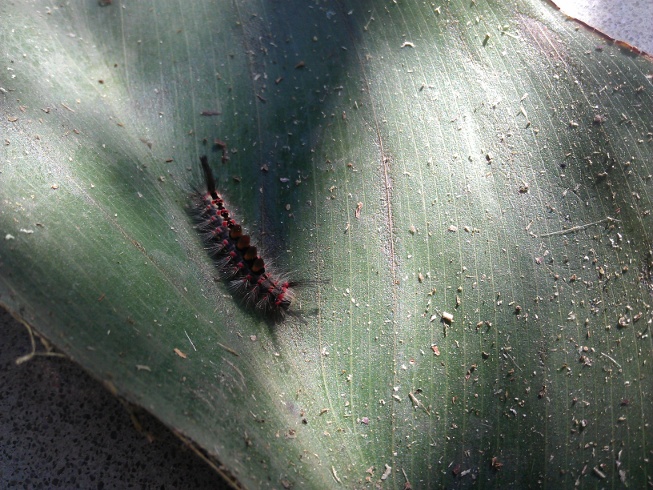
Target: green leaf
{"type": "Point", "coordinates": [465, 190]}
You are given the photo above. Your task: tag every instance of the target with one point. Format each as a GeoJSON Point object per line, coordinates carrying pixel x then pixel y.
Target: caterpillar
{"type": "Point", "coordinates": [235, 256]}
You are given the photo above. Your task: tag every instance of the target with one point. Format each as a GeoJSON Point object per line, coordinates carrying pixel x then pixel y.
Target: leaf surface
{"type": "Point", "coordinates": [464, 190]}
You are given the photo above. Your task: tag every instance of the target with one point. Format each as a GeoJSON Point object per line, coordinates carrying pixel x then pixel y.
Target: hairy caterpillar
{"type": "Point", "coordinates": [236, 258]}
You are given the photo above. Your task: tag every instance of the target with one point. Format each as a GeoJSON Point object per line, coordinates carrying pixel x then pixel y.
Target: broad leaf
{"type": "Point", "coordinates": [464, 190]}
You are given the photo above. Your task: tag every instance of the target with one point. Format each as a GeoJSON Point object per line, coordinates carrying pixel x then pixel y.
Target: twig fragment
{"type": "Point", "coordinates": [574, 229]}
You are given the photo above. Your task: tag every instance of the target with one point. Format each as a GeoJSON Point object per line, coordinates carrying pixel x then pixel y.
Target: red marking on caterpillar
{"type": "Point", "coordinates": [236, 258]}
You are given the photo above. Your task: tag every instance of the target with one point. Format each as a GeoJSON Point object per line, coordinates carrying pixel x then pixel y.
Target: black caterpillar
{"type": "Point", "coordinates": [235, 256]}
